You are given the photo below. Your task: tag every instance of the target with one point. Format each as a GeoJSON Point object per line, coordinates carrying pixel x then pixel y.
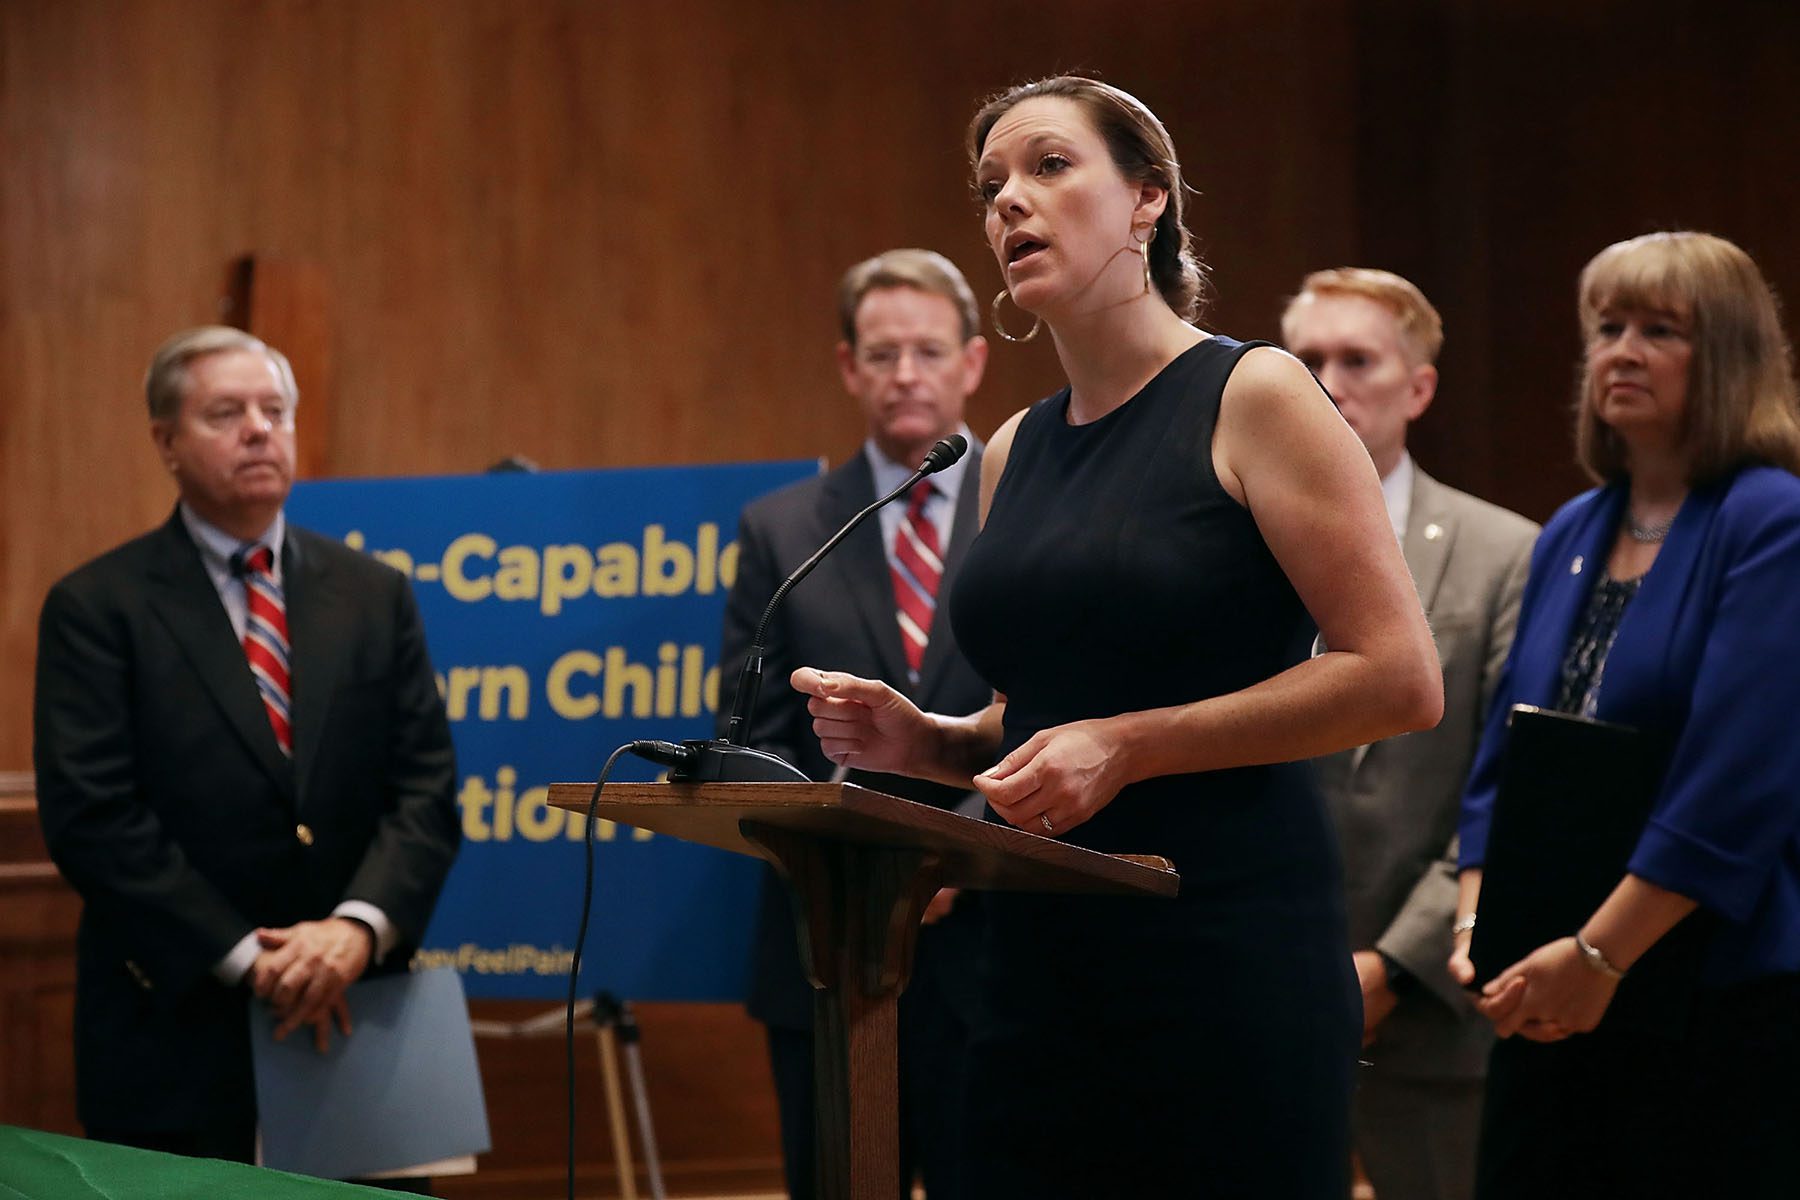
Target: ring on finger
{"type": "Point", "coordinates": [1044, 820]}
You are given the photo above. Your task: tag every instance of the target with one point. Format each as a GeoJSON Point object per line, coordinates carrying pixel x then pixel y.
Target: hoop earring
{"type": "Point", "coordinates": [994, 312]}
{"type": "Point", "coordinates": [1144, 249]}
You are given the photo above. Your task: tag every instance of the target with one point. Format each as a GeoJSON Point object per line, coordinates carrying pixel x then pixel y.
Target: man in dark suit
{"type": "Point", "coordinates": [243, 766]}
{"type": "Point", "coordinates": [910, 356]}
{"type": "Point", "coordinates": [1372, 339]}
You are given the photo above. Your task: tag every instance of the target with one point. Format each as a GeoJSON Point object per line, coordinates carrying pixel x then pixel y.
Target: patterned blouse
{"type": "Point", "coordinates": [1584, 664]}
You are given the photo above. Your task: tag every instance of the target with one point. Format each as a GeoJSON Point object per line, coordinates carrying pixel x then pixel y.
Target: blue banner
{"type": "Point", "coordinates": [567, 613]}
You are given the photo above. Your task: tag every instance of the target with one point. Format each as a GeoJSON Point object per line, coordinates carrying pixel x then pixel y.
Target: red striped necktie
{"type": "Point", "coordinates": [266, 639]}
{"type": "Point", "coordinates": [918, 568]}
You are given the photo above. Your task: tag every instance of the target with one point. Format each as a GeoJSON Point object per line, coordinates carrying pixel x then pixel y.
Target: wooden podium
{"type": "Point", "coordinates": [862, 866]}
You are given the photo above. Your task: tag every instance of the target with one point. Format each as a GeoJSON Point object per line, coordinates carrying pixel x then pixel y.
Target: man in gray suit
{"type": "Point", "coordinates": [1372, 339]}
{"type": "Point", "coordinates": [911, 355]}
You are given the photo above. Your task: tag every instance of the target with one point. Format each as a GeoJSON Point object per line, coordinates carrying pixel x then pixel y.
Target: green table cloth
{"type": "Point", "coordinates": [49, 1166]}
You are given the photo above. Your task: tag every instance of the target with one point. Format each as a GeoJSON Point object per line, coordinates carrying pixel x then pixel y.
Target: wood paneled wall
{"type": "Point", "coordinates": [1500, 146]}
{"type": "Point", "coordinates": [38, 915]}
{"type": "Point", "coordinates": [608, 233]}
{"type": "Point", "coordinates": [591, 233]}
{"type": "Point", "coordinates": [600, 234]}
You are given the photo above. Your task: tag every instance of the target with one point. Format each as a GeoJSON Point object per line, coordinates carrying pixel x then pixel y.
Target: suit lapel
{"type": "Point", "coordinates": [1571, 570]}
{"type": "Point", "coordinates": [863, 561]}
{"type": "Point", "coordinates": [1640, 653]}
{"type": "Point", "coordinates": [185, 601]}
{"type": "Point", "coordinates": [313, 608]}
{"type": "Point", "coordinates": [942, 643]}
{"type": "Point", "coordinates": [1430, 529]}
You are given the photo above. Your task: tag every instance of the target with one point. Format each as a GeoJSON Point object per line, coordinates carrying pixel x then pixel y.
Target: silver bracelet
{"type": "Point", "coordinates": [1463, 925]}
{"type": "Point", "coordinates": [1595, 959]}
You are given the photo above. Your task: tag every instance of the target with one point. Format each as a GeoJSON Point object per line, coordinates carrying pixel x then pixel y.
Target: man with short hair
{"type": "Point", "coordinates": [910, 356]}
{"type": "Point", "coordinates": [243, 766]}
{"type": "Point", "coordinates": [1372, 339]}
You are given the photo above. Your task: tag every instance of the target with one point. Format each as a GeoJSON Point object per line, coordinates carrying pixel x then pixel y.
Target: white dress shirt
{"type": "Point", "coordinates": [1397, 489]}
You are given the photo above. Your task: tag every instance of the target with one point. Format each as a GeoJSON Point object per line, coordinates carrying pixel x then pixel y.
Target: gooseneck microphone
{"type": "Point", "coordinates": [729, 759]}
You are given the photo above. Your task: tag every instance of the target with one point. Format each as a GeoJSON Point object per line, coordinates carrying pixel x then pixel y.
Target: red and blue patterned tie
{"type": "Point", "coordinates": [266, 641]}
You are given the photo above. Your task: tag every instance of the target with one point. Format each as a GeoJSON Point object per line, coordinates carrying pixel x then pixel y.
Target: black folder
{"type": "Point", "coordinates": [1573, 798]}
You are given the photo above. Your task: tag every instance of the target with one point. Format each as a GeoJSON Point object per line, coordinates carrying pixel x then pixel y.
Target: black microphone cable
{"type": "Point", "coordinates": [667, 754]}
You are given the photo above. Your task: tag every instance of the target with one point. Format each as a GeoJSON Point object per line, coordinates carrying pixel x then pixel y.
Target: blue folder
{"type": "Point", "coordinates": [403, 1089]}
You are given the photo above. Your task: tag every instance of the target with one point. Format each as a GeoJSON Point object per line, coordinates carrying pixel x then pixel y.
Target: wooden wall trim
{"type": "Point", "coordinates": [38, 916]}
{"type": "Point", "coordinates": [287, 303]}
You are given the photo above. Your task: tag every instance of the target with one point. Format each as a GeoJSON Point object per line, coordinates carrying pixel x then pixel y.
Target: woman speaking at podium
{"type": "Point", "coordinates": [1668, 600]}
{"type": "Point", "coordinates": [1155, 536]}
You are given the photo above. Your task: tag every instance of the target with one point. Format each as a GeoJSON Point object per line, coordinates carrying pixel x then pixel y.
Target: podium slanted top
{"type": "Point", "coordinates": [973, 853]}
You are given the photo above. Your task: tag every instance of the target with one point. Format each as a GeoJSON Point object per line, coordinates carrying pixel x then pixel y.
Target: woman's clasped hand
{"type": "Point", "coordinates": [1548, 995]}
{"type": "Point", "coordinates": [1054, 782]}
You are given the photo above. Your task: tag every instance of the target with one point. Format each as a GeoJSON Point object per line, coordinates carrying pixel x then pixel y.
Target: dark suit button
{"type": "Point", "coordinates": [304, 833]}
{"type": "Point", "coordinates": [137, 974]}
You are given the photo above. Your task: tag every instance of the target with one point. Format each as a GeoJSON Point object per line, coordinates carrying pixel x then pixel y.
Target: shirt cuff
{"type": "Point", "coordinates": [231, 969]}
{"type": "Point", "coordinates": [375, 919]}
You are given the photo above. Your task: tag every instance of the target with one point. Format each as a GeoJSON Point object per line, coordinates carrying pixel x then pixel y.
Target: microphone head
{"type": "Point", "coordinates": [947, 451]}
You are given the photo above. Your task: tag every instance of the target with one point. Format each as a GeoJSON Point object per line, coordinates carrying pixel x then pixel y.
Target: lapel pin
{"type": "Point", "coordinates": [1575, 567]}
{"type": "Point", "coordinates": [1433, 532]}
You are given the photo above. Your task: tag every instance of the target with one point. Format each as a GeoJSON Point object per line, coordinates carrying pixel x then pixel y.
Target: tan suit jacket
{"type": "Point", "coordinates": [1395, 803]}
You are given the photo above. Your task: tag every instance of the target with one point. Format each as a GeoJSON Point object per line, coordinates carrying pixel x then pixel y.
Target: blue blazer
{"type": "Point", "coordinates": [1708, 656]}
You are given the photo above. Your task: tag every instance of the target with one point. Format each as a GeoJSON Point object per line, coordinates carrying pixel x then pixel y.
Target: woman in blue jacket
{"type": "Point", "coordinates": [1667, 599]}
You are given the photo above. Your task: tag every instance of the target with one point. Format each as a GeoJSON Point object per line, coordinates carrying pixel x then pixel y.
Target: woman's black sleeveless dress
{"type": "Point", "coordinates": [1153, 1048]}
